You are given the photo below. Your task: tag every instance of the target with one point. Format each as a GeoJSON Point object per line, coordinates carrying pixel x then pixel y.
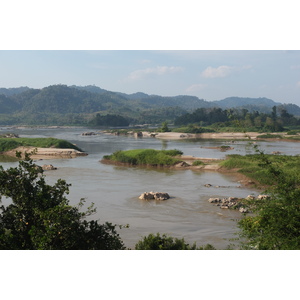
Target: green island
{"type": "Point", "coordinates": [12, 143]}
{"type": "Point", "coordinates": [38, 147]}
{"type": "Point", "coordinates": [144, 157]}
{"type": "Point", "coordinates": [250, 165]}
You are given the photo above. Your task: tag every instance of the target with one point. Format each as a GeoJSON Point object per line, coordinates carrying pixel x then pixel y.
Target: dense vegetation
{"type": "Point", "coordinates": [275, 224]}
{"type": "Point", "coordinates": [251, 166]}
{"type": "Point", "coordinates": [74, 105]}
{"type": "Point", "coordinates": [164, 242]}
{"type": "Point", "coordinates": [12, 143]}
{"type": "Point", "coordinates": [40, 216]}
{"type": "Point", "coordinates": [109, 120]}
{"type": "Point", "coordinates": [218, 118]}
{"type": "Point", "coordinates": [147, 157]}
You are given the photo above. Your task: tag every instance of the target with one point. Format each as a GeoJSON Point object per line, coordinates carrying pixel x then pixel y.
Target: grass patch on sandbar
{"type": "Point", "coordinates": [254, 167]}
{"type": "Point", "coordinates": [149, 157]}
{"type": "Point", "coordinates": [7, 144]}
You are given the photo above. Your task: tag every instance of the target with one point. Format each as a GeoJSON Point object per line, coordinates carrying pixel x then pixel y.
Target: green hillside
{"type": "Point", "coordinates": [79, 105]}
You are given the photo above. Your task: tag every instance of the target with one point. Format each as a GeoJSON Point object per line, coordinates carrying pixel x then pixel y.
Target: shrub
{"type": "Point", "coordinates": [41, 218]}
{"type": "Point", "coordinates": [269, 136]}
{"type": "Point", "coordinates": [292, 132]}
{"type": "Point", "coordinates": [198, 163]}
{"type": "Point", "coordinates": [164, 242]}
{"type": "Point", "coordinates": [275, 223]}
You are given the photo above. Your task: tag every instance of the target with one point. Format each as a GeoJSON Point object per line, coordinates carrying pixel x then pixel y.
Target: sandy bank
{"type": "Point", "coordinates": [221, 135]}
{"type": "Point", "coordinates": [44, 153]}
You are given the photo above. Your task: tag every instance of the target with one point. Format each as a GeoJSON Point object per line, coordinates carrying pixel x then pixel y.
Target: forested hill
{"type": "Point", "coordinates": [238, 102]}
{"type": "Point", "coordinates": [62, 105]}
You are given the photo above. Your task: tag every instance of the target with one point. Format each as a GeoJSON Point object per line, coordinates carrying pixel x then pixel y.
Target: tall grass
{"type": "Point", "coordinates": [145, 157]}
{"type": "Point", "coordinates": [252, 166]}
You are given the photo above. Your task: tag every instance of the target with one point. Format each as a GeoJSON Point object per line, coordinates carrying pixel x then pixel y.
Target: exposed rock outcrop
{"type": "Point", "coordinates": [9, 135]}
{"type": "Point", "coordinates": [154, 196]}
{"type": "Point", "coordinates": [88, 133]}
{"type": "Point", "coordinates": [48, 167]}
{"type": "Point", "coordinates": [237, 203]}
{"type": "Point", "coordinates": [138, 134]}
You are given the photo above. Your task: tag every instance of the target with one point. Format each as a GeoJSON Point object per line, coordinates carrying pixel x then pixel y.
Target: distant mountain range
{"type": "Point", "coordinates": [29, 105]}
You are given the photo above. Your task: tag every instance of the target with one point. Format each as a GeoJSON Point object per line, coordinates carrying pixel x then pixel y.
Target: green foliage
{"type": "Point", "coordinates": [269, 136]}
{"type": "Point", "coordinates": [252, 166]}
{"type": "Point", "coordinates": [193, 129]}
{"type": "Point", "coordinates": [74, 105]}
{"type": "Point", "coordinates": [206, 116]}
{"type": "Point", "coordinates": [172, 152]}
{"type": "Point", "coordinates": [40, 216]}
{"type": "Point", "coordinates": [145, 157]}
{"type": "Point", "coordinates": [109, 120]}
{"type": "Point", "coordinates": [164, 242]}
{"type": "Point", "coordinates": [292, 132]}
{"type": "Point", "coordinates": [275, 224]}
{"type": "Point", "coordinates": [238, 119]}
{"type": "Point", "coordinates": [9, 144]}
{"type": "Point", "coordinates": [164, 127]}
{"type": "Point", "coordinates": [198, 163]}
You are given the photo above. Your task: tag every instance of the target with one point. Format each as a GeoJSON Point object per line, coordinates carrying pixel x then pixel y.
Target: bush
{"type": "Point", "coordinates": [275, 224]}
{"type": "Point", "coordinates": [193, 129]}
{"type": "Point", "coordinates": [40, 217]}
{"type": "Point", "coordinates": [198, 163]}
{"type": "Point", "coordinates": [269, 136]}
{"type": "Point", "coordinates": [292, 132]}
{"type": "Point", "coordinates": [164, 242]}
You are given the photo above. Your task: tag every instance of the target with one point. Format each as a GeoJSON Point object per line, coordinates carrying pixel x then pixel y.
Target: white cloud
{"type": "Point", "coordinates": [196, 87]}
{"type": "Point", "coordinates": [159, 70]}
{"type": "Point", "coordinates": [222, 71]}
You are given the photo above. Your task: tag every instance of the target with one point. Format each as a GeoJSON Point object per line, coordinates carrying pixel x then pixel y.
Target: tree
{"type": "Point", "coordinates": [164, 242]}
{"type": "Point", "coordinates": [164, 127]}
{"type": "Point", "coordinates": [275, 224]}
{"type": "Point", "coordinates": [40, 217]}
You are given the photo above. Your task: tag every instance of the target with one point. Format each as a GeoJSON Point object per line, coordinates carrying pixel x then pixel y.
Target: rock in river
{"type": "Point", "coordinates": [154, 196]}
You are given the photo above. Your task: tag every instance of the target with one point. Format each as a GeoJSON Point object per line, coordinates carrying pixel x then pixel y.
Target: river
{"type": "Point", "coordinates": [115, 190]}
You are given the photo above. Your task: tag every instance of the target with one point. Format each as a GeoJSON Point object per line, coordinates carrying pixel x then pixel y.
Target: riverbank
{"type": "Point", "coordinates": [278, 136]}
{"type": "Point", "coordinates": [44, 153]}
{"type": "Point", "coordinates": [210, 135]}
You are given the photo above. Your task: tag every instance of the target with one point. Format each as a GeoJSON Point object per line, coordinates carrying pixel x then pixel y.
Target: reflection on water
{"type": "Point", "coordinates": [115, 190]}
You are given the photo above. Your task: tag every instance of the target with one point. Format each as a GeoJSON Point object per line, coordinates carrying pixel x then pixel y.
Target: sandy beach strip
{"type": "Point", "coordinates": [221, 135]}
{"type": "Point", "coordinates": [44, 153]}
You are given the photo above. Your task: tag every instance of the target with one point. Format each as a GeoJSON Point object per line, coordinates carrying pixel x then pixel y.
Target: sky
{"type": "Point", "coordinates": [207, 74]}
{"type": "Point", "coordinates": [212, 50]}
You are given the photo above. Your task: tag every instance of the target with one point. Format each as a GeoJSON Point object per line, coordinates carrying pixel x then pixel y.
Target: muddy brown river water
{"type": "Point", "coordinates": [115, 190]}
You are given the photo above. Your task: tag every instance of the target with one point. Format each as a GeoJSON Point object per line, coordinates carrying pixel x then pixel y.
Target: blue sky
{"type": "Point", "coordinates": [53, 42]}
{"type": "Point", "coordinates": [209, 75]}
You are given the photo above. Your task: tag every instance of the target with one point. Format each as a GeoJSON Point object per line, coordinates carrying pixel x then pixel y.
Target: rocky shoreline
{"type": "Point", "coordinates": [243, 205]}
